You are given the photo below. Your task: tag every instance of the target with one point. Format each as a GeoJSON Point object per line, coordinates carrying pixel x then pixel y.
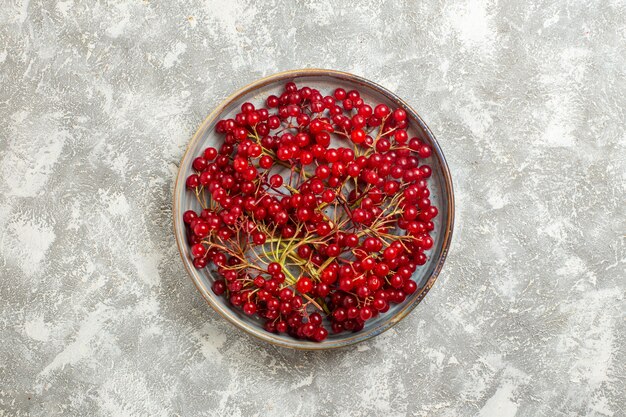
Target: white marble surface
{"type": "Point", "coordinates": [98, 100]}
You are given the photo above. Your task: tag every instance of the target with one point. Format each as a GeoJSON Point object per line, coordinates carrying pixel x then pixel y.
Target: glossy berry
{"type": "Point", "coordinates": [304, 285]}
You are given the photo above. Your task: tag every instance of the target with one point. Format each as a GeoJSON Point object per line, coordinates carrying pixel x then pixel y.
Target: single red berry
{"type": "Point", "coordinates": [247, 107]}
{"type": "Point", "coordinates": [340, 94]}
{"type": "Point", "coordinates": [193, 181]}
{"type": "Point", "coordinates": [254, 150]}
{"type": "Point", "coordinates": [266, 162]}
{"type": "Point", "coordinates": [322, 172]}
{"type": "Point", "coordinates": [352, 312]}
{"type": "Point", "coordinates": [390, 253]}
{"type": "Point", "coordinates": [200, 164]}
{"type": "Point", "coordinates": [286, 294]}
{"type": "Point", "coordinates": [276, 181]}
{"type": "Point", "coordinates": [201, 229]}
{"type": "Point", "coordinates": [399, 115]}
{"type": "Point", "coordinates": [249, 308]}
{"type": "Point", "coordinates": [328, 196]}
{"type": "Point", "coordinates": [358, 136]}
{"type": "Point", "coordinates": [219, 287]}
{"type": "Point", "coordinates": [198, 250]}
{"type": "Point", "coordinates": [272, 101]}
{"type": "Point", "coordinates": [340, 314]}
{"type": "Point", "coordinates": [381, 111]}
{"type": "Point", "coordinates": [320, 334]}
{"type": "Point", "coordinates": [401, 136]}
{"type": "Point", "coordinates": [304, 285]}
{"type": "Point", "coordinates": [274, 268]}
{"type": "Point", "coordinates": [210, 154]}
{"type": "Point", "coordinates": [409, 287]}
{"type": "Point", "coordinates": [365, 313]}
{"type": "Point", "coordinates": [424, 151]}
{"type": "Point", "coordinates": [365, 110]}
{"type": "Point", "coordinates": [273, 122]}
{"type": "Point", "coordinates": [259, 238]}
{"type": "Point", "coordinates": [189, 216]}
{"type": "Point", "coordinates": [200, 263]}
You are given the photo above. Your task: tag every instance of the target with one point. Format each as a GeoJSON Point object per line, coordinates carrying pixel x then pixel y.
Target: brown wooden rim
{"type": "Point", "coordinates": [359, 336]}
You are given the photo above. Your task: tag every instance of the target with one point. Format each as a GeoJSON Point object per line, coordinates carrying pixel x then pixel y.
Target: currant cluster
{"type": "Point", "coordinates": [315, 211]}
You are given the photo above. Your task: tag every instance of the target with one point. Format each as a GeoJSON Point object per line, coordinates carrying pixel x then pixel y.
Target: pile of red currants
{"type": "Point", "coordinates": [315, 211]}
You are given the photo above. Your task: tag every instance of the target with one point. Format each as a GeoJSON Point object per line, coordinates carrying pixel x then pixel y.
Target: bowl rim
{"type": "Point", "coordinates": [259, 332]}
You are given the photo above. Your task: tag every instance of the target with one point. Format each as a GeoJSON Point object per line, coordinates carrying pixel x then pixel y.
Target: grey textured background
{"type": "Point", "coordinates": [98, 100]}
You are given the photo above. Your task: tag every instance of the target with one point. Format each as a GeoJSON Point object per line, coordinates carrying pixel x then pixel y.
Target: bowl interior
{"type": "Point", "coordinates": [325, 81]}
